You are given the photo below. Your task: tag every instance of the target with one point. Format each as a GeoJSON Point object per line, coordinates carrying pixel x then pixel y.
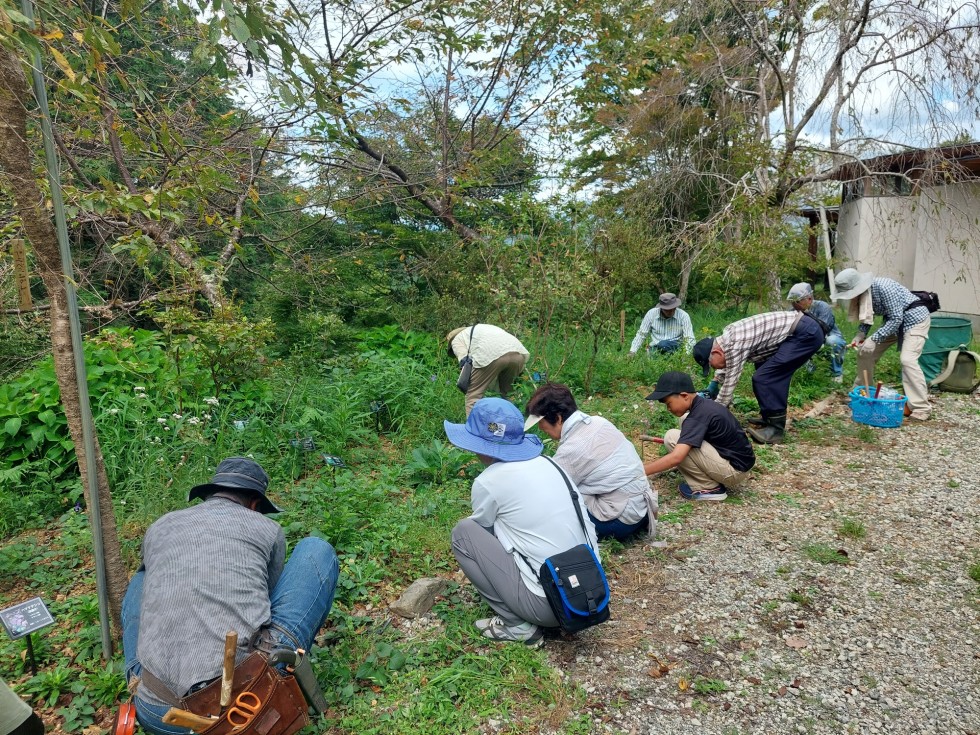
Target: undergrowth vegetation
{"type": "Point", "coordinates": [166, 412]}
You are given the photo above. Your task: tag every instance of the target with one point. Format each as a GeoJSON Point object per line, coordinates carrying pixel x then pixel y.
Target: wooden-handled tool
{"type": "Point", "coordinates": [183, 718]}
{"type": "Point", "coordinates": [867, 381]}
{"type": "Point", "coordinates": [878, 389]}
{"type": "Point", "coordinates": [228, 669]}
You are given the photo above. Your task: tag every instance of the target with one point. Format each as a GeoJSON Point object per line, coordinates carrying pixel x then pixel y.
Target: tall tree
{"type": "Point", "coordinates": [17, 175]}
{"type": "Point", "coordinates": [435, 103]}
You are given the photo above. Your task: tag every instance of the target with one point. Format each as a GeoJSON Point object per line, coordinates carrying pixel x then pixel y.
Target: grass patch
{"type": "Point", "coordinates": [790, 500]}
{"type": "Point", "coordinates": [801, 598]}
{"type": "Point", "coordinates": [677, 514]}
{"type": "Point", "coordinates": [851, 528]}
{"type": "Point", "coordinates": [824, 554]}
{"type": "Point", "coordinates": [705, 686]}
{"type": "Point", "coordinates": [974, 572]}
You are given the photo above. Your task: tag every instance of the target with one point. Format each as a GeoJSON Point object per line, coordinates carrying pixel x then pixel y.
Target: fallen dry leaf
{"type": "Point", "coordinates": [796, 642]}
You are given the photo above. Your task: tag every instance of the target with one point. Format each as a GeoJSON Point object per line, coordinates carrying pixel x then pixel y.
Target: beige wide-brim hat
{"type": "Point", "coordinates": [849, 283]}
{"type": "Point", "coordinates": [452, 335]}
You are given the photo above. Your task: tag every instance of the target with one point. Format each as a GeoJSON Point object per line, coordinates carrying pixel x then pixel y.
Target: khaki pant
{"type": "Point", "coordinates": [501, 372]}
{"type": "Point", "coordinates": [703, 468]}
{"type": "Point", "coordinates": [913, 380]}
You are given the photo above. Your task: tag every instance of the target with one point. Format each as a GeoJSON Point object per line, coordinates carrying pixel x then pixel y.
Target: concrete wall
{"type": "Point", "coordinates": [929, 242]}
{"type": "Point", "coordinates": [878, 234]}
{"type": "Point", "coordinates": [947, 258]}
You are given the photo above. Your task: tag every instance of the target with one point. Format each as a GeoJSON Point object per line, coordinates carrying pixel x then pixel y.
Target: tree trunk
{"type": "Point", "coordinates": [29, 204]}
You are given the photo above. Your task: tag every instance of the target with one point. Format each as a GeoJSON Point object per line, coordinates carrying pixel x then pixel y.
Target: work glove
{"type": "Point", "coordinates": [867, 347]}
{"type": "Point", "coordinates": [711, 392]}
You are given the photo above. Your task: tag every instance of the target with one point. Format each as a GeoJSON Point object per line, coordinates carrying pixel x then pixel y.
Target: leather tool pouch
{"type": "Point", "coordinates": [283, 709]}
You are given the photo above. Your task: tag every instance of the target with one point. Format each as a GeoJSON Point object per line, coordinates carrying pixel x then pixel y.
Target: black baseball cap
{"type": "Point", "coordinates": [670, 383]}
{"type": "Point", "coordinates": [701, 352]}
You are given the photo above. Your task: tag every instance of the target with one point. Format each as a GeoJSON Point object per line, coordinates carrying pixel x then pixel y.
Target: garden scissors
{"type": "Point", "coordinates": [243, 711]}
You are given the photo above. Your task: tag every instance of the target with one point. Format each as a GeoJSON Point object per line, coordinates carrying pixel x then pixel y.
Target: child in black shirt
{"type": "Point", "coordinates": [710, 449]}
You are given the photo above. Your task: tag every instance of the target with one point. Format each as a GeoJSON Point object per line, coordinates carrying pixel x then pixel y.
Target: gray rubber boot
{"type": "Point", "coordinates": [772, 432]}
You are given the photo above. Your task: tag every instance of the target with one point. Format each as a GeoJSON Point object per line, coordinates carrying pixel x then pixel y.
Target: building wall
{"type": "Point", "coordinates": [928, 242]}
{"type": "Point", "coordinates": [879, 234]}
{"type": "Point", "coordinates": [947, 259]}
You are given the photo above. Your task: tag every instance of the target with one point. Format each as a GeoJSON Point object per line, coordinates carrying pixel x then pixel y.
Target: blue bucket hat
{"type": "Point", "coordinates": [238, 473]}
{"type": "Point", "coordinates": [495, 428]}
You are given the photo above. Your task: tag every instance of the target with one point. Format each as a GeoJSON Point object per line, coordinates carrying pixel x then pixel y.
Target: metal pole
{"type": "Point", "coordinates": [88, 427]}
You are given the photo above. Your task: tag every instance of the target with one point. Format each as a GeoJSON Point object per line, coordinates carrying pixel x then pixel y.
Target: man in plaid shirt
{"type": "Point", "coordinates": [906, 322]}
{"type": "Point", "coordinates": [778, 342]}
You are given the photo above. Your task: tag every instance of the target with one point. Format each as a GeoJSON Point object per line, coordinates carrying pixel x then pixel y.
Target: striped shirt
{"type": "Point", "coordinates": [889, 299]}
{"type": "Point", "coordinates": [751, 340]}
{"type": "Point", "coordinates": [210, 569]}
{"type": "Point", "coordinates": [675, 327]}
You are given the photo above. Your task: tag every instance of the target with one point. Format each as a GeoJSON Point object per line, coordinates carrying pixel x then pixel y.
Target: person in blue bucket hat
{"type": "Point", "coordinates": [522, 514]}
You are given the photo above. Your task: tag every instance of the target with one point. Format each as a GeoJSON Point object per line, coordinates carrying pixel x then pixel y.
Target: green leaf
{"type": "Point", "coordinates": [238, 28]}
{"type": "Point", "coordinates": [12, 426]}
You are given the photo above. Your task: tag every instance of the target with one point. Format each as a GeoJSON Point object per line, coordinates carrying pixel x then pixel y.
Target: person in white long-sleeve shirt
{"type": "Point", "coordinates": [522, 514]}
{"type": "Point", "coordinates": [498, 358]}
{"type": "Point", "coordinates": [668, 326]}
{"type": "Point", "coordinates": [601, 461]}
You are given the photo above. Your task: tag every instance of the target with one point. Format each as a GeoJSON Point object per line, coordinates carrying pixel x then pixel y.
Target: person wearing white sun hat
{"type": "Point", "coordinates": [906, 323]}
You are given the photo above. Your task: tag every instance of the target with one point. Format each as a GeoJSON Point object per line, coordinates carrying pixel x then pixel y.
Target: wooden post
{"type": "Point", "coordinates": [19, 253]}
{"type": "Point", "coordinates": [622, 327]}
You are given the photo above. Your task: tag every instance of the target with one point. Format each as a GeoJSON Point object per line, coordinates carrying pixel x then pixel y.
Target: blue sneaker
{"type": "Point", "coordinates": [719, 493]}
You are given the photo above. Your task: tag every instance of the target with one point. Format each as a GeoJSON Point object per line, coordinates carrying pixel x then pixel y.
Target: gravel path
{"type": "Point", "coordinates": [748, 622]}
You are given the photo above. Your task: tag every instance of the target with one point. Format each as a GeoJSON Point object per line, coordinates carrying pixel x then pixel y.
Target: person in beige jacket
{"type": "Point", "coordinates": [498, 358]}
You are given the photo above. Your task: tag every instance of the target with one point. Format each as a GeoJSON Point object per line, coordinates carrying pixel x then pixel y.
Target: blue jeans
{"type": "Point", "coordinates": [616, 528]}
{"type": "Point", "coordinates": [300, 601]}
{"type": "Point", "coordinates": [666, 346]}
{"type": "Point", "coordinates": [835, 340]}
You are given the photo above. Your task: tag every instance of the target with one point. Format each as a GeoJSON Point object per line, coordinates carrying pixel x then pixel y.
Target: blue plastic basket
{"type": "Point", "coordinates": [886, 413]}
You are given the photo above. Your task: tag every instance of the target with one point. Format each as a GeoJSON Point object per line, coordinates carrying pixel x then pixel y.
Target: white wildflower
{"type": "Point", "coordinates": [212, 401]}
{"type": "Point", "coordinates": [193, 420]}
{"type": "Point", "coordinates": [161, 420]}
{"type": "Point", "coordinates": [139, 389]}
{"type": "Point", "coordinates": [113, 411]}
{"type": "Point", "coordinates": [177, 416]}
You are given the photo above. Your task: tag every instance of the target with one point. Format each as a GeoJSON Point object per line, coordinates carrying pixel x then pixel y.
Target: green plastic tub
{"type": "Point", "coordinates": [945, 333]}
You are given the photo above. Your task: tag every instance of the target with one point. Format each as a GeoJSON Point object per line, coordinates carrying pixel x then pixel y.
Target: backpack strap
{"type": "Point", "coordinates": [469, 344]}
{"type": "Point", "coordinates": [575, 503]}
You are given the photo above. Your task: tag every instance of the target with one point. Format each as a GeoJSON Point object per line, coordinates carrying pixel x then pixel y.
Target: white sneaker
{"type": "Point", "coordinates": [838, 378]}
{"type": "Point", "coordinates": [497, 630]}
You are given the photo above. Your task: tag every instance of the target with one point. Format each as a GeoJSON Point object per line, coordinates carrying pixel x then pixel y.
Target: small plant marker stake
{"type": "Point", "coordinates": [334, 462]}
{"type": "Point", "coordinates": [379, 409]}
{"type": "Point", "coordinates": [302, 446]}
{"type": "Point", "coordinates": [23, 619]}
